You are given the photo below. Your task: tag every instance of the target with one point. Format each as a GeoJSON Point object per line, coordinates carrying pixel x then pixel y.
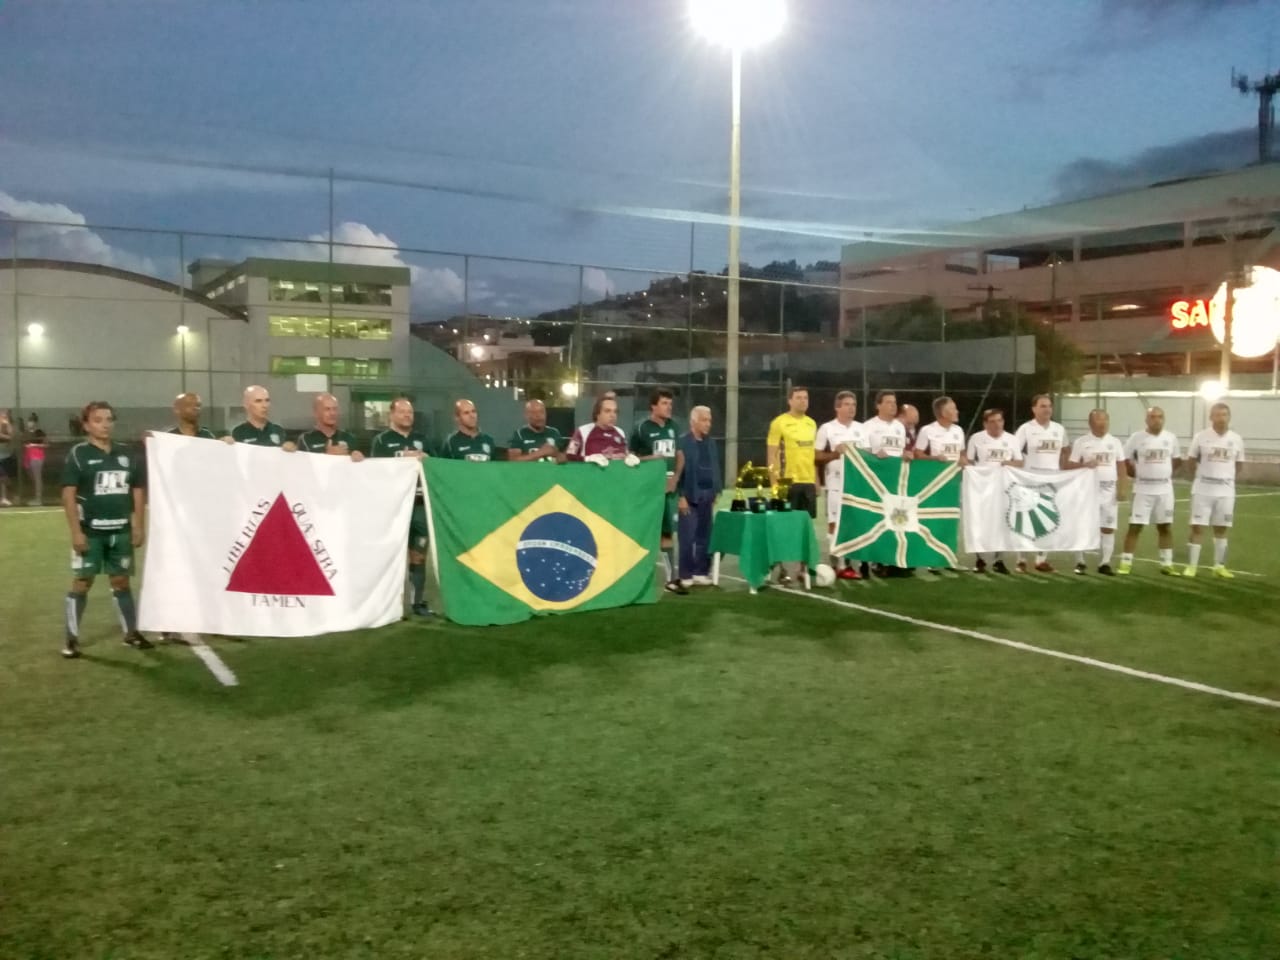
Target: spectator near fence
{"type": "Point", "coordinates": [33, 451]}
{"type": "Point", "coordinates": [698, 483]}
{"type": "Point", "coordinates": [8, 463]}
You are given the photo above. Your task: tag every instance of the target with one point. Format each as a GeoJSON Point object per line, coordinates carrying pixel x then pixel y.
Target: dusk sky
{"type": "Point", "coordinates": [592, 131]}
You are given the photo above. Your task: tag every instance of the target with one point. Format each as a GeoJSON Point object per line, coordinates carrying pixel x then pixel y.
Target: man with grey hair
{"type": "Point", "coordinates": [698, 483]}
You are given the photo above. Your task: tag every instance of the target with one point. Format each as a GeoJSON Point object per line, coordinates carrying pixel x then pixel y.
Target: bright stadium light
{"type": "Point", "coordinates": [477, 353]}
{"type": "Point", "coordinates": [1211, 391]}
{"type": "Point", "coordinates": [183, 329]}
{"type": "Point", "coordinates": [1255, 316]}
{"type": "Point", "coordinates": [569, 389]}
{"type": "Point", "coordinates": [35, 330]}
{"type": "Point", "coordinates": [738, 24]}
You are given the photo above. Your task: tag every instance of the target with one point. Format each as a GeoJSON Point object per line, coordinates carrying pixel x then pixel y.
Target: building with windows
{"type": "Point", "coordinates": [1129, 278]}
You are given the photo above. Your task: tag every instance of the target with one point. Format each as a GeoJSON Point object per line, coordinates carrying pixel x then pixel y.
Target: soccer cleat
{"type": "Point", "coordinates": [784, 580]}
{"type": "Point", "coordinates": [170, 637]}
{"type": "Point", "coordinates": [71, 649]}
{"type": "Point", "coordinates": [1080, 569]}
{"type": "Point", "coordinates": [980, 566]}
{"type": "Point", "coordinates": [1021, 566]}
{"type": "Point", "coordinates": [678, 588]}
{"type": "Point", "coordinates": [1106, 570]}
{"type": "Point", "coordinates": [999, 567]}
{"type": "Point", "coordinates": [1188, 571]}
{"type": "Point", "coordinates": [1125, 568]}
{"type": "Point", "coordinates": [421, 610]}
{"type": "Point", "coordinates": [701, 580]}
{"type": "Point", "coordinates": [848, 573]}
{"type": "Point", "coordinates": [137, 641]}
{"type": "Point", "coordinates": [1044, 566]}
{"type": "Point", "coordinates": [1166, 570]}
{"type": "Point", "coordinates": [1223, 573]}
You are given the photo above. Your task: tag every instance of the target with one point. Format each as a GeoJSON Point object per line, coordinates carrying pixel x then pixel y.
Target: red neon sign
{"type": "Point", "coordinates": [1189, 313]}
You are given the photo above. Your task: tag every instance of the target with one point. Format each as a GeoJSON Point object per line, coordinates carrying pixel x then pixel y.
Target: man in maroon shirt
{"type": "Point", "coordinates": [604, 441]}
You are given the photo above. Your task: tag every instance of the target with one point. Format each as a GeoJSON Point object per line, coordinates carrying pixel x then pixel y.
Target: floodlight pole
{"type": "Point", "coordinates": [734, 319]}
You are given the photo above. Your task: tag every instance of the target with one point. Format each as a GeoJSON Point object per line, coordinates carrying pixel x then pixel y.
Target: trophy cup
{"type": "Point", "coordinates": [760, 503]}
{"type": "Point", "coordinates": [739, 504]}
{"type": "Point", "coordinates": [781, 495]}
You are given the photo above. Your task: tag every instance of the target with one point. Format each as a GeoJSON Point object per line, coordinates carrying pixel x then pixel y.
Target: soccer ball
{"type": "Point", "coordinates": [823, 575]}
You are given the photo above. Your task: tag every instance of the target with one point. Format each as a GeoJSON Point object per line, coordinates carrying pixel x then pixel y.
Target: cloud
{"type": "Point", "coordinates": [57, 232]}
{"type": "Point", "coordinates": [596, 284]}
{"type": "Point", "coordinates": [1090, 176]}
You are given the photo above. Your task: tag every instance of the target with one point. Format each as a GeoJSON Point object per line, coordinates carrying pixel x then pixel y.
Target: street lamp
{"type": "Point", "coordinates": [738, 25]}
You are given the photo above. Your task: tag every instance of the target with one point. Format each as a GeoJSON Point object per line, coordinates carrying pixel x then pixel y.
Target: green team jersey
{"type": "Point", "coordinates": [459, 446]}
{"type": "Point", "coordinates": [393, 443]}
{"type": "Point", "coordinates": [271, 434]}
{"type": "Point", "coordinates": [527, 439]}
{"type": "Point", "coordinates": [650, 439]}
{"type": "Point", "coordinates": [203, 433]}
{"type": "Point", "coordinates": [104, 482]}
{"type": "Point", "coordinates": [317, 441]}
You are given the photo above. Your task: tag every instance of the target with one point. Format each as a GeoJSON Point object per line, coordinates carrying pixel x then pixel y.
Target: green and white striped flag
{"type": "Point", "coordinates": [902, 513]}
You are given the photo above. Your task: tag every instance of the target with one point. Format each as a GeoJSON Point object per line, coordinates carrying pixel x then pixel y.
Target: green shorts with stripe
{"type": "Point", "coordinates": [671, 515]}
{"type": "Point", "coordinates": [418, 527]}
{"type": "Point", "coordinates": [109, 553]}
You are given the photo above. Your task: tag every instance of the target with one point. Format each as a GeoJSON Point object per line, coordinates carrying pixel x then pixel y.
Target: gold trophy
{"type": "Point", "coordinates": [739, 504]}
{"type": "Point", "coordinates": [781, 494]}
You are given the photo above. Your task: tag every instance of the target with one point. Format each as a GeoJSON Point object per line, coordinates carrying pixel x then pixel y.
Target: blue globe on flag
{"type": "Point", "coordinates": [556, 556]}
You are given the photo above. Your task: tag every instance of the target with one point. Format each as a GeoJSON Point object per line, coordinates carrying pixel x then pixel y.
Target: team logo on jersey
{"type": "Point", "coordinates": [108, 482]}
{"type": "Point", "coordinates": [417, 444]}
{"type": "Point", "coordinates": [275, 438]}
{"type": "Point", "coordinates": [123, 461]}
{"type": "Point", "coordinates": [555, 554]}
{"type": "Point", "coordinates": [1033, 510]}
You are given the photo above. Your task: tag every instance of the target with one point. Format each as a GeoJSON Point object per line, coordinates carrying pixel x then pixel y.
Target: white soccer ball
{"type": "Point", "coordinates": [823, 575]}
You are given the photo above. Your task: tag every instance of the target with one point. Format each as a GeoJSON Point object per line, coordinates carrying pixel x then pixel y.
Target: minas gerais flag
{"type": "Point", "coordinates": [902, 513]}
{"type": "Point", "coordinates": [514, 540]}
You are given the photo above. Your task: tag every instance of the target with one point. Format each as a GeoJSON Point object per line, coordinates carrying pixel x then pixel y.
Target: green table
{"type": "Point", "coordinates": [761, 540]}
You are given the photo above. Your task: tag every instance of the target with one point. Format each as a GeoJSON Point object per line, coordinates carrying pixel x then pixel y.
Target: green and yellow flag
{"type": "Point", "coordinates": [903, 513]}
{"type": "Point", "coordinates": [513, 540]}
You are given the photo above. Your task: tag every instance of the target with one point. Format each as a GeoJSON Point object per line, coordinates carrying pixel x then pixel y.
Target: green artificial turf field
{"type": "Point", "coordinates": [718, 775]}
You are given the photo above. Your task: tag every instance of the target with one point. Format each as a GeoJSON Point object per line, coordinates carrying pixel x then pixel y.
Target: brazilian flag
{"type": "Point", "coordinates": [513, 540]}
{"type": "Point", "coordinates": [902, 513]}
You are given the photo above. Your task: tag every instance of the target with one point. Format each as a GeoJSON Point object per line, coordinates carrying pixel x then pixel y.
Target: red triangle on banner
{"type": "Point", "coordinates": [278, 560]}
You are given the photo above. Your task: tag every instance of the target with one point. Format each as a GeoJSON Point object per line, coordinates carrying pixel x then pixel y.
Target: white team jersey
{"type": "Point", "coordinates": [1106, 451]}
{"type": "Point", "coordinates": [1153, 455]}
{"type": "Point", "coordinates": [889, 436]}
{"type": "Point", "coordinates": [984, 448]}
{"type": "Point", "coordinates": [830, 436]}
{"type": "Point", "coordinates": [1043, 445]}
{"type": "Point", "coordinates": [939, 441]}
{"type": "Point", "coordinates": [1216, 456]}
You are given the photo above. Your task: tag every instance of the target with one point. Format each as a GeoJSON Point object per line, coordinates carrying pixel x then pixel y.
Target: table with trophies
{"type": "Point", "coordinates": [762, 530]}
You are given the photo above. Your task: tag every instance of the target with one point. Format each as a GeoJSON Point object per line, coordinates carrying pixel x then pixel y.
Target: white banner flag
{"type": "Point", "coordinates": [1007, 508]}
{"type": "Point", "coordinates": [255, 542]}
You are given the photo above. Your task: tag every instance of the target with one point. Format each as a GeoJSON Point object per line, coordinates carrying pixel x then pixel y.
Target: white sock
{"type": "Point", "coordinates": [1193, 555]}
{"type": "Point", "coordinates": [1166, 557]}
{"type": "Point", "coordinates": [1041, 557]}
{"type": "Point", "coordinates": [1108, 547]}
{"type": "Point", "coordinates": [1079, 556]}
{"type": "Point", "coordinates": [1126, 558]}
{"type": "Point", "coordinates": [1219, 551]}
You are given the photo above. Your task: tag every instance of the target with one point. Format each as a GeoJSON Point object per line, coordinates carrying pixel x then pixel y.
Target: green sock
{"type": "Point", "coordinates": [124, 607]}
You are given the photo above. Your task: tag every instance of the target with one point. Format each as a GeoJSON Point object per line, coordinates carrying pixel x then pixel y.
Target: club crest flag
{"type": "Point", "coordinates": [515, 540]}
{"type": "Point", "coordinates": [1008, 508]}
{"type": "Point", "coordinates": [903, 513]}
{"type": "Point", "coordinates": [255, 542]}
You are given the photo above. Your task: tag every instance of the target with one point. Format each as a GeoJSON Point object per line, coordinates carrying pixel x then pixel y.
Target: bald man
{"type": "Point", "coordinates": [326, 437]}
{"type": "Point", "coordinates": [1151, 458]}
{"type": "Point", "coordinates": [186, 411]}
{"type": "Point", "coordinates": [535, 440]}
{"type": "Point", "coordinates": [467, 442]}
{"type": "Point", "coordinates": [257, 428]}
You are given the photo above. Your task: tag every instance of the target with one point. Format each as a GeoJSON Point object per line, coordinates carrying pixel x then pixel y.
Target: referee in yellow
{"type": "Point", "coordinates": [790, 446]}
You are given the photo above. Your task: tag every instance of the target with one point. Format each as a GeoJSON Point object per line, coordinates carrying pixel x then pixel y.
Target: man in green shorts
{"type": "Point", "coordinates": [326, 437]}
{"type": "Point", "coordinates": [401, 440]}
{"type": "Point", "coordinates": [654, 438]}
{"type": "Point", "coordinates": [103, 496]}
{"type": "Point", "coordinates": [257, 428]}
{"type": "Point", "coordinates": [535, 440]}
{"type": "Point", "coordinates": [467, 442]}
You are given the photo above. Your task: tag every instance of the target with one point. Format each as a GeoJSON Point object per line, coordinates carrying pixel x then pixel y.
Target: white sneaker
{"type": "Point", "coordinates": [5, 503]}
{"type": "Point", "coordinates": [687, 583]}
{"type": "Point", "coordinates": [701, 581]}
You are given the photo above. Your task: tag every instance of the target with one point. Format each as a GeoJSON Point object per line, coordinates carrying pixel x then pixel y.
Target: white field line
{"type": "Point", "coordinates": [1043, 651]}
{"type": "Point", "coordinates": [211, 660]}
{"type": "Point", "coordinates": [1208, 569]}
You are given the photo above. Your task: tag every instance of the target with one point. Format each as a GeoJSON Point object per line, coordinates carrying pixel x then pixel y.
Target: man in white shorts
{"type": "Point", "coordinates": [993, 445]}
{"type": "Point", "coordinates": [832, 436]}
{"type": "Point", "coordinates": [1099, 451]}
{"type": "Point", "coordinates": [941, 440]}
{"type": "Point", "coordinates": [886, 436]}
{"type": "Point", "coordinates": [1217, 454]}
{"type": "Point", "coordinates": [1043, 441]}
{"type": "Point", "coordinates": [1153, 455]}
